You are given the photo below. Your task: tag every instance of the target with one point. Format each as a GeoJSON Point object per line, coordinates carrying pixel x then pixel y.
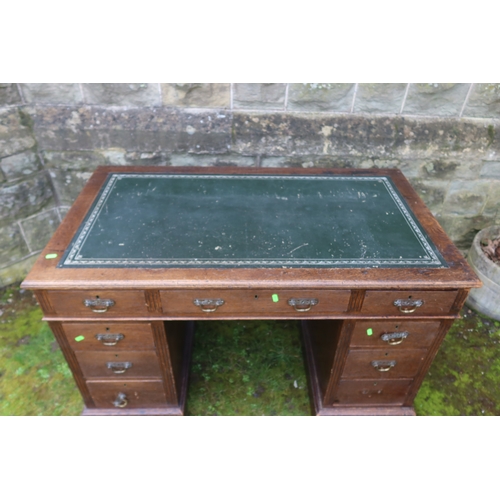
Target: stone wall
{"type": "Point", "coordinates": [444, 137]}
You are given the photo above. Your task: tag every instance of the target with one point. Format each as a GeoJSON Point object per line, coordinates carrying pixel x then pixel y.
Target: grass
{"type": "Point", "coordinates": [240, 367]}
{"type": "Point", "coordinates": [34, 376]}
{"type": "Point", "coordinates": [247, 368]}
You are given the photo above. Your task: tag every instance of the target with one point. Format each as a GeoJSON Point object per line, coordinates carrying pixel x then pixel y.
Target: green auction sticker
{"type": "Point", "coordinates": [275, 297]}
{"type": "Point", "coordinates": [51, 256]}
{"type": "Point", "coordinates": [369, 332]}
{"type": "Point", "coordinates": [79, 338]}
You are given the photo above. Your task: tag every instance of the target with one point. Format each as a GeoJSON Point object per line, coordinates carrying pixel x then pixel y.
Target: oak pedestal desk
{"type": "Point", "coordinates": [146, 252]}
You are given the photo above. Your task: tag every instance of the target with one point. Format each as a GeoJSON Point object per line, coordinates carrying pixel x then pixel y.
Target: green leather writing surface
{"type": "Point", "coordinates": [183, 220]}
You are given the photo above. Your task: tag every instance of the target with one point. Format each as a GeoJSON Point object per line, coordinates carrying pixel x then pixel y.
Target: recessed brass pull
{"type": "Point", "coordinates": [302, 305]}
{"type": "Point", "coordinates": [407, 306]}
{"type": "Point", "coordinates": [121, 400]}
{"type": "Point", "coordinates": [208, 305]}
{"type": "Point", "coordinates": [109, 338]}
{"type": "Point", "coordinates": [119, 367]}
{"type": "Point", "coordinates": [383, 366]}
{"type": "Point", "coordinates": [99, 305]}
{"type": "Point", "coordinates": [395, 338]}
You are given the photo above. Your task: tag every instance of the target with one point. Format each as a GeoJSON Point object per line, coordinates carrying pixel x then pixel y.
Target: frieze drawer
{"type": "Point", "coordinates": [98, 303]}
{"type": "Point", "coordinates": [408, 303]}
{"type": "Point", "coordinates": [255, 302]}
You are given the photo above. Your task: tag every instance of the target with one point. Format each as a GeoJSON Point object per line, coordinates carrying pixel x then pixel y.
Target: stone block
{"type": "Point", "coordinates": [456, 168]}
{"type": "Point", "coordinates": [379, 97]}
{"type": "Point", "coordinates": [63, 210]}
{"type": "Point", "coordinates": [20, 165]}
{"type": "Point", "coordinates": [83, 161]}
{"type": "Point", "coordinates": [68, 184]}
{"type": "Point", "coordinates": [15, 273]}
{"type": "Point", "coordinates": [461, 230]}
{"type": "Point", "coordinates": [396, 137]}
{"type": "Point", "coordinates": [432, 193]}
{"type": "Point", "coordinates": [409, 168]}
{"type": "Point", "coordinates": [309, 161]}
{"type": "Point", "coordinates": [135, 129]}
{"type": "Point", "coordinates": [259, 95]}
{"type": "Point", "coordinates": [52, 93]}
{"type": "Point", "coordinates": [20, 200]}
{"type": "Point", "coordinates": [15, 132]}
{"type": "Point", "coordinates": [435, 99]}
{"type": "Point", "coordinates": [484, 101]}
{"type": "Point", "coordinates": [492, 206]}
{"type": "Point", "coordinates": [228, 160]}
{"type": "Point", "coordinates": [9, 94]}
{"type": "Point", "coordinates": [122, 94]}
{"type": "Point", "coordinates": [465, 198]}
{"type": "Point", "coordinates": [114, 156]}
{"type": "Point", "coordinates": [491, 169]}
{"type": "Point", "coordinates": [39, 229]}
{"type": "Point", "coordinates": [321, 97]}
{"type": "Point", "coordinates": [146, 158]}
{"type": "Point", "coordinates": [13, 247]}
{"type": "Point", "coordinates": [196, 95]}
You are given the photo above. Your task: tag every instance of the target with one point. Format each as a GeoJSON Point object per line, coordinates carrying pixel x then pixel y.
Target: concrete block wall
{"type": "Point", "coordinates": [444, 137]}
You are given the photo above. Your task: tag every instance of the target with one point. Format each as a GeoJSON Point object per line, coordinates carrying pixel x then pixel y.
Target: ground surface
{"type": "Point", "coordinates": [240, 367]}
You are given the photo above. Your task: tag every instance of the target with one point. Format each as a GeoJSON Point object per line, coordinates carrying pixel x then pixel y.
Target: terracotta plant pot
{"type": "Point", "coordinates": [485, 300]}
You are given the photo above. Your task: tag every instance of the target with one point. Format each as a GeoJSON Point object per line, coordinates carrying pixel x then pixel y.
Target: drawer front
{"type": "Point", "coordinates": [99, 304]}
{"type": "Point", "coordinates": [408, 302]}
{"type": "Point", "coordinates": [129, 394]}
{"type": "Point", "coordinates": [394, 334]}
{"type": "Point", "coordinates": [119, 364]}
{"type": "Point", "coordinates": [383, 363]}
{"type": "Point", "coordinates": [224, 302]}
{"type": "Point", "coordinates": [106, 336]}
{"type": "Point", "coordinates": [372, 392]}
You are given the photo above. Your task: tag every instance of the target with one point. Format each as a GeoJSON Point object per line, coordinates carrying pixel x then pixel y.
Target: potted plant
{"type": "Point", "coordinates": [484, 258]}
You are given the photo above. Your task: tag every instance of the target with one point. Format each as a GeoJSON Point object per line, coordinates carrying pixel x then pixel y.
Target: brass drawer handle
{"type": "Point", "coordinates": [383, 366]}
{"type": "Point", "coordinates": [109, 338]}
{"type": "Point", "coordinates": [407, 306]}
{"type": "Point", "coordinates": [395, 338]}
{"type": "Point", "coordinates": [302, 305]}
{"type": "Point", "coordinates": [98, 305]}
{"type": "Point", "coordinates": [208, 305]}
{"type": "Point", "coordinates": [119, 367]}
{"type": "Point", "coordinates": [121, 400]}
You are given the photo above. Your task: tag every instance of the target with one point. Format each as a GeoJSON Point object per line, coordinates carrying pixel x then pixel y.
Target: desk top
{"type": "Point", "coordinates": [241, 227]}
{"type": "Point", "coordinates": [210, 220]}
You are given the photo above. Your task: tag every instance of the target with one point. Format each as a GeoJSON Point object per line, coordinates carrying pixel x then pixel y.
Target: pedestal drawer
{"type": "Point", "coordinates": [381, 363]}
{"type": "Point", "coordinates": [107, 336]}
{"type": "Point", "coordinates": [255, 302]}
{"type": "Point", "coordinates": [372, 392]}
{"type": "Point", "coordinates": [408, 302]}
{"type": "Point", "coordinates": [127, 394]}
{"type": "Point", "coordinates": [394, 334]}
{"type": "Point", "coordinates": [121, 364]}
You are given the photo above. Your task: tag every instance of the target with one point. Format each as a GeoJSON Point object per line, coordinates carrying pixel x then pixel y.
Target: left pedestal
{"type": "Point", "coordinates": [128, 368]}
